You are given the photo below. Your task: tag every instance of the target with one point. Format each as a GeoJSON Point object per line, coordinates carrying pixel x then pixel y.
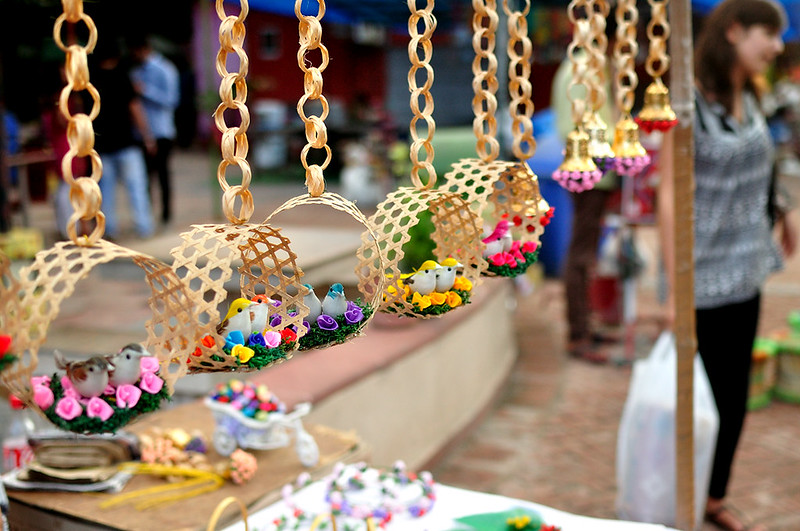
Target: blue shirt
{"type": "Point", "coordinates": [159, 85]}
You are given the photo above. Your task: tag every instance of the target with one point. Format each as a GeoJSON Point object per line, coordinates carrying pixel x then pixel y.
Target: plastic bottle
{"type": "Point", "coordinates": [16, 450]}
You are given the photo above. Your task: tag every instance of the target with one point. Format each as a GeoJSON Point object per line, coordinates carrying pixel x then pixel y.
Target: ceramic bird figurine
{"type": "Point", "coordinates": [237, 318]}
{"type": "Point", "coordinates": [334, 303]}
{"type": "Point", "coordinates": [126, 364]}
{"type": "Point", "coordinates": [446, 275]}
{"type": "Point", "coordinates": [494, 241]}
{"type": "Point", "coordinates": [89, 377]}
{"type": "Point", "coordinates": [423, 280]}
{"type": "Point", "coordinates": [259, 316]}
{"type": "Point", "coordinates": [311, 300]}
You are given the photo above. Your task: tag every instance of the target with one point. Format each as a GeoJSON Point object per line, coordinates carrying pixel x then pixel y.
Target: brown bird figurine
{"type": "Point", "coordinates": [89, 377]}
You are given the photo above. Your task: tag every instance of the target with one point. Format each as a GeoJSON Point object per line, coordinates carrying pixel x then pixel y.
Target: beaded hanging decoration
{"type": "Point", "coordinates": [578, 172]}
{"type": "Point", "coordinates": [31, 303]}
{"type": "Point", "coordinates": [505, 194]}
{"type": "Point", "coordinates": [456, 229]}
{"type": "Point", "coordinates": [269, 278]}
{"type": "Point", "coordinates": [334, 323]}
{"type": "Point", "coordinates": [657, 113]}
{"type": "Point", "coordinates": [632, 157]}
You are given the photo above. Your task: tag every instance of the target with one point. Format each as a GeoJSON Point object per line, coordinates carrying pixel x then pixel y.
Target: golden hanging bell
{"type": "Point", "coordinates": [576, 153]}
{"type": "Point", "coordinates": [626, 140]}
{"type": "Point", "coordinates": [596, 128]}
{"type": "Point", "coordinates": [656, 106]}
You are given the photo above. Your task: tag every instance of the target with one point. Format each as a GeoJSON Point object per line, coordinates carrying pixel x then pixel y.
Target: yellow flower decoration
{"type": "Point", "coordinates": [243, 353]}
{"type": "Point", "coordinates": [406, 291]}
{"type": "Point", "coordinates": [438, 298]}
{"type": "Point", "coordinates": [519, 522]}
{"type": "Point", "coordinates": [453, 299]}
{"type": "Point", "coordinates": [463, 284]}
{"type": "Point", "coordinates": [423, 301]}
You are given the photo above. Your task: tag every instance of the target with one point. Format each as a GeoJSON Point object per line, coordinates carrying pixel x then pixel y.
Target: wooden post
{"type": "Point", "coordinates": [682, 95]}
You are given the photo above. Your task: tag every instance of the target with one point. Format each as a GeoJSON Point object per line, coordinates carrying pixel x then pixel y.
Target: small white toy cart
{"type": "Point", "coordinates": [234, 429]}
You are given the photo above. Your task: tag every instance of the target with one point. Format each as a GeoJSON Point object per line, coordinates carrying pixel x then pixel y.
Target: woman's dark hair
{"type": "Point", "coordinates": [714, 56]}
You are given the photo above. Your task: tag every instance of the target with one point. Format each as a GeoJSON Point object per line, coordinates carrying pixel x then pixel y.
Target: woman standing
{"type": "Point", "coordinates": [733, 249]}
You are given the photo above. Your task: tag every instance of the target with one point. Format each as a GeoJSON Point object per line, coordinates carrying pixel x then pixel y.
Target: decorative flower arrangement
{"type": "Point", "coordinates": [434, 288]}
{"type": "Point", "coordinates": [515, 261]}
{"type": "Point", "coordinates": [255, 402]}
{"type": "Point", "coordinates": [6, 358]}
{"type": "Point", "coordinates": [334, 330]}
{"type": "Point", "coordinates": [393, 493]}
{"type": "Point", "coordinates": [516, 519]}
{"type": "Point", "coordinates": [65, 407]}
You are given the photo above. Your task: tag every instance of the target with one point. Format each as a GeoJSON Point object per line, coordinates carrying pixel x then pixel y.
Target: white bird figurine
{"type": "Point", "coordinates": [334, 303]}
{"type": "Point", "coordinates": [423, 280]}
{"type": "Point", "coordinates": [89, 377]}
{"type": "Point", "coordinates": [127, 365]}
{"type": "Point", "coordinates": [494, 241]}
{"type": "Point", "coordinates": [508, 240]}
{"type": "Point", "coordinates": [237, 318]}
{"type": "Point", "coordinates": [446, 275]}
{"type": "Point", "coordinates": [311, 300]}
{"type": "Point", "coordinates": [259, 316]}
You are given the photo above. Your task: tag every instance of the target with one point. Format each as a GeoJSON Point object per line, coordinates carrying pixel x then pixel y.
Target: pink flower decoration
{"type": "Point", "coordinates": [149, 364]}
{"type": "Point", "coordinates": [68, 408]}
{"type": "Point", "coordinates": [40, 380]}
{"type": "Point", "coordinates": [43, 396]}
{"type": "Point", "coordinates": [109, 390]}
{"type": "Point", "coordinates": [515, 245]}
{"type": "Point", "coordinates": [529, 247]}
{"type": "Point", "coordinates": [272, 338]}
{"type": "Point", "coordinates": [128, 395]}
{"type": "Point", "coordinates": [97, 407]}
{"type": "Point", "coordinates": [69, 390]}
{"type": "Point", "coordinates": [497, 259]}
{"type": "Point", "coordinates": [151, 383]}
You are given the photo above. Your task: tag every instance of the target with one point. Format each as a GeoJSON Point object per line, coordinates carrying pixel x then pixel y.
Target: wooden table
{"type": "Point", "coordinates": [35, 510]}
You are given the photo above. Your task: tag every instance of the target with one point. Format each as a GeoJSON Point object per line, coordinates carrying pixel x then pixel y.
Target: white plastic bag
{"type": "Point", "coordinates": [646, 479]}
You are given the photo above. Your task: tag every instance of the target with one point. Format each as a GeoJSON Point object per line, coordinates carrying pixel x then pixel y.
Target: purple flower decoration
{"type": "Point", "coordinates": [275, 320]}
{"type": "Point", "coordinates": [196, 444]}
{"type": "Point", "coordinates": [326, 322]}
{"type": "Point", "coordinates": [353, 315]}
{"type": "Point", "coordinates": [257, 340]}
{"type": "Point", "coordinates": [276, 303]}
{"type": "Point", "coordinates": [352, 306]}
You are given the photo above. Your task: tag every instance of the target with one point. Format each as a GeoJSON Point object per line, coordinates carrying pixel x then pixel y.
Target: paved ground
{"type": "Point", "coordinates": [551, 437]}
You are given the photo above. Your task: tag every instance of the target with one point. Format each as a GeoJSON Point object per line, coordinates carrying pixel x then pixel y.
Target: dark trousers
{"type": "Point", "coordinates": [725, 338]}
{"type": "Point", "coordinates": [158, 167]}
{"type": "Point", "coordinates": [587, 220]}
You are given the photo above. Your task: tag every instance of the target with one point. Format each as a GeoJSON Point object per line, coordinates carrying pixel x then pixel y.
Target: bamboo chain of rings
{"type": "Point", "coordinates": [519, 81]}
{"type": "Point", "coordinates": [625, 50]}
{"type": "Point", "coordinates": [484, 81]}
{"type": "Point", "coordinates": [234, 139]}
{"type": "Point", "coordinates": [316, 134]}
{"type": "Point", "coordinates": [421, 62]}
{"type": "Point", "coordinates": [597, 54]}
{"type": "Point", "coordinates": [578, 13]}
{"type": "Point", "coordinates": [657, 34]}
{"type": "Point", "coordinates": [84, 192]}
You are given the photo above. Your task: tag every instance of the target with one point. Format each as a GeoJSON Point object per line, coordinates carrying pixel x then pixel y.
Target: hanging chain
{"type": "Point", "coordinates": [597, 54]}
{"type": "Point", "coordinates": [578, 13]}
{"type": "Point", "coordinates": [625, 50]}
{"type": "Point", "coordinates": [84, 192]}
{"type": "Point", "coordinates": [519, 85]}
{"type": "Point", "coordinates": [316, 134]}
{"type": "Point", "coordinates": [657, 33]}
{"type": "Point", "coordinates": [421, 61]}
{"type": "Point", "coordinates": [484, 81]}
{"type": "Point", "coordinates": [234, 139]}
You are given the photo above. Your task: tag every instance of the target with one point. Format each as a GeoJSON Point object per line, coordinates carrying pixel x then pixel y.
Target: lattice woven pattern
{"type": "Point", "coordinates": [370, 278]}
{"type": "Point", "coordinates": [456, 234]}
{"type": "Point", "coordinates": [52, 277]}
{"type": "Point", "coordinates": [266, 265]}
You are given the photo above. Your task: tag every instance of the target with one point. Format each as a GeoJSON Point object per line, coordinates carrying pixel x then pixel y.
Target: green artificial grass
{"type": "Point", "coordinates": [121, 416]}
{"type": "Point", "coordinates": [7, 361]}
{"type": "Point", "coordinates": [506, 270]}
{"type": "Point", "coordinates": [262, 357]}
{"type": "Point", "coordinates": [317, 337]}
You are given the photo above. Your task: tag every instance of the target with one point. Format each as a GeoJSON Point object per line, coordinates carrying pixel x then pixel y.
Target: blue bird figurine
{"type": "Point", "coordinates": [334, 303]}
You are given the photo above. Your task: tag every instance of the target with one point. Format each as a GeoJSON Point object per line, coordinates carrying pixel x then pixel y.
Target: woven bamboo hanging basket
{"type": "Point", "coordinates": [103, 392]}
{"type": "Point", "coordinates": [457, 248]}
{"type": "Point", "coordinates": [338, 316]}
{"type": "Point", "coordinates": [504, 194]}
{"type": "Point", "coordinates": [260, 327]}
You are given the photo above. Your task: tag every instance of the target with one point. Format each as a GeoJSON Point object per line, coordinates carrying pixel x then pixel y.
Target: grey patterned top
{"type": "Point", "coordinates": [734, 250]}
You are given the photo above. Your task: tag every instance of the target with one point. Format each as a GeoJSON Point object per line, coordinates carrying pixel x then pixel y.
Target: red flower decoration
{"type": "Point", "coordinates": [208, 341]}
{"type": "Point", "coordinates": [288, 335]}
{"type": "Point", "coordinates": [16, 402]}
{"type": "Point", "coordinates": [5, 344]}
{"type": "Point", "coordinates": [517, 221]}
